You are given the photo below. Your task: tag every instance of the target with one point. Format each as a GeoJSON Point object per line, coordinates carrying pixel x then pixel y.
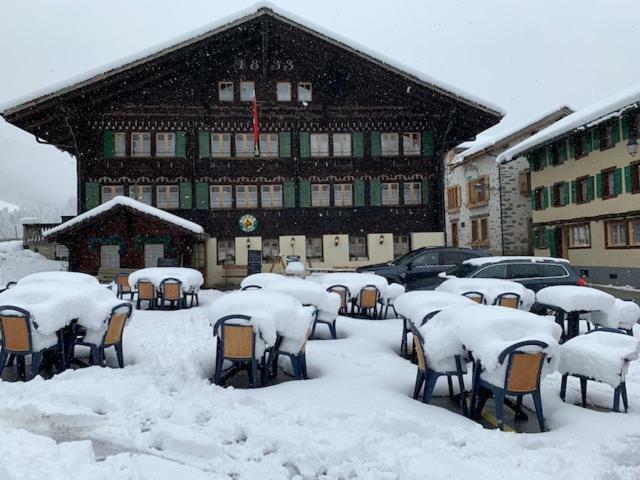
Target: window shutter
{"type": "Point", "coordinates": [572, 148]}
{"type": "Point", "coordinates": [109, 144]}
{"type": "Point", "coordinates": [376, 146]}
{"type": "Point", "coordinates": [548, 155]}
{"type": "Point", "coordinates": [305, 145]}
{"type": "Point", "coordinates": [545, 197]}
{"type": "Point", "coordinates": [595, 139]}
{"type": "Point", "coordinates": [590, 182]}
{"type": "Point", "coordinates": [427, 143]}
{"type": "Point", "coordinates": [202, 195]}
{"type": "Point", "coordinates": [599, 185]}
{"type": "Point", "coordinates": [425, 191]}
{"type": "Point", "coordinates": [615, 136]}
{"type": "Point", "coordinates": [586, 142]}
{"type": "Point", "coordinates": [289, 194]}
{"type": "Point", "coordinates": [181, 144]}
{"type": "Point", "coordinates": [185, 195]}
{"type": "Point", "coordinates": [542, 157]}
{"type": "Point", "coordinates": [565, 193]}
{"type": "Point", "coordinates": [533, 200]}
{"type": "Point", "coordinates": [305, 194]}
{"type": "Point", "coordinates": [284, 143]}
{"type": "Point", "coordinates": [204, 144]}
{"type": "Point", "coordinates": [91, 195]}
{"type": "Point", "coordinates": [358, 187]}
{"type": "Point", "coordinates": [628, 182]}
{"type": "Point", "coordinates": [562, 149]}
{"type": "Point", "coordinates": [551, 241]}
{"type": "Point", "coordinates": [374, 186]}
{"type": "Point", "coordinates": [358, 144]}
{"type": "Point", "coordinates": [626, 127]}
{"type": "Point", "coordinates": [574, 189]}
{"type": "Point", "coordinates": [531, 162]}
{"type": "Point", "coordinates": [617, 181]}
{"type": "Point", "coordinates": [534, 237]}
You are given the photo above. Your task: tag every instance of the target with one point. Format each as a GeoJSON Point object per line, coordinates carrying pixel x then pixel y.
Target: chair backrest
{"type": "Point", "coordinates": [10, 284]}
{"type": "Point", "coordinates": [237, 338]}
{"type": "Point", "coordinates": [477, 297]}
{"type": "Point", "coordinates": [122, 280]}
{"type": "Point", "coordinates": [418, 342]}
{"type": "Point", "coordinates": [171, 289]}
{"type": "Point", "coordinates": [524, 368]}
{"type": "Point", "coordinates": [369, 296]}
{"type": "Point", "coordinates": [429, 316]}
{"type": "Point", "coordinates": [607, 329]}
{"type": "Point", "coordinates": [251, 287]}
{"type": "Point", "coordinates": [117, 320]}
{"type": "Point", "coordinates": [146, 290]}
{"type": "Point", "coordinates": [508, 299]}
{"type": "Point", "coordinates": [344, 293]}
{"type": "Point", "coordinates": [15, 328]}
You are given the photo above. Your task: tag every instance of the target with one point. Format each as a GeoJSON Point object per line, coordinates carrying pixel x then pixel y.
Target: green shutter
{"type": "Point", "coordinates": [545, 197]}
{"type": "Point", "coordinates": [91, 195]}
{"type": "Point", "coordinates": [185, 195]}
{"type": "Point", "coordinates": [358, 144]}
{"type": "Point", "coordinates": [531, 162]}
{"type": "Point", "coordinates": [586, 142]}
{"type": "Point", "coordinates": [285, 144]}
{"type": "Point", "coordinates": [425, 191]}
{"type": "Point", "coordinates": [358, 187]}
{"type": "Point", "coordinates": [181, 144]}
{"type": "Point", "coordinates": [534, 236]}
{"type": "Point", "coordinates": [109, 144]}
{"type": "Point", "coordinates": [574, 190]}
{"type": "Point", "coordinates": [590, 188]}
{"type": "Point", "coordinates": [572, 148]}
{"type": "Point", "coordinates": [562, 150]}
{"type": "Point", "coordinates": [595, 138]}
{"type": "Point", "coordinates": [551, 241]}
{"type": "Point", "coordinates": [542, 156]}
{"type": "Point", "coordinates": [548, 155]}
{"type": "Point", "coordinates": [615, 135]}
{"type": "Point", "coordinates": [427, 143]}
{"type": "Point", "coordinates": [305, 146]}
{"type": "Point", "coordinates": [376, 146]}
{"type": "Point", "coordinates": [374, 187]}
{"type": "Point", "coordinates": [617, 181]}
{"type": "Point", "coordinates": [533, 200]}
{"type": "Point", "coordinates": [626, 127]}
{"type": "Point", "coordinates": [628, 182]}
{"type": "Point", "coordinates": [202, 195]}
{"type": "Point", "coordinates": [204, 144]}
{"type": "Point", "coordinates": [305, 194]}
{"type": "Point", "coordinates": [289, 194]}
{"type": "Point", "coordinates": [565, 193]}
{"type": "Point", "coordinates": [599, 185]}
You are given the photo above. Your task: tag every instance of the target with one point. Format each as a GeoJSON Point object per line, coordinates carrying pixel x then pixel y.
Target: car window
{"type": "Point", "coordinates": [493, 271]}
{"type": "Point", "coordinates": [426, 258]}
{"type": "Point", "coordinates": [524, 270]}
{"type": "Point", "coordinates": [453, 258]}
{"type": "Point", "coordinates": [461, 271]}
{"type": "Point", "coordinates": [550, 270]}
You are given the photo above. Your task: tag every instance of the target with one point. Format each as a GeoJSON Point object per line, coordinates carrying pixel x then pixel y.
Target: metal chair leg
{"type": "Point", "coordinates": [498, 395]}
{"type": "Point", "coordinates": [625, 401]}
{"type": "Point", "coordinates": [36, 358]}
{"type": "Point", "coordinates": [563, 387]}
{"type": "Point", "coordinates": [429, 385]}
{"type": "Point", "coordinates": [538, 404]}
{"type": "Point", "coordinates": [418, 385]}
{"type": "Point", "coordinates": [583, 391]}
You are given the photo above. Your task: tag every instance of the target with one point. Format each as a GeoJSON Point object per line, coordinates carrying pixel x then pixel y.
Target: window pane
{"type": "Point", "coordinates": [319, 144]}
{"type": "Point", "coordinates": [220, 144]}
{"type": "Point", "coordinates": [390, 194]}
{"type": "Point", "coordinates": [284, 91]}
{"type": "Point", "coordinates": [270, 249]}
{"type": "Point", "coordinates": [320, 195]}
{"type": "Point", "coordinates": [412, 193]}
{"type": "Point", "coordinates": [246, 91]}
{"type": "Point", "coordinates": [220, 196]}
{"type": "Point", "coordinates": [389, 144]}
{"type": "Point", "coordinates": [411, 143]}
{"type": "Point", "coordinates": [524, 270]}
{"type": "Point", "coordinates": [357, 247]}
{"type": "Point", "coordinates": [547, 270]}
{"type": "Point", "coordinates": [268, 144]}
{"type": "Point", "coordinates": [121, 144]}
{"type": "Point", "coordinates": [141, 144]}
{"type": "Point", "coordinates": [110, 191]}
{"type": "Point", "coordinates": [493, 271]}
{"type": "Point", "coordinates": [314, 248]}
{"type": "Point", "coordinates": [165, 144]}
{"type": "Point", "coordinates": [244, 145]}
{"type": "Point", "coordinates": [304, 92]}
{"type": "Point", "coordinates": [271, 196]}
{"type": "Point", "coordinates": [141, 193]}
{"type": "Point", "coordinates": [225, 91]}
{"type": "Point", "coordinates": [342, 195]}
{"type": "Point", "coordinates": [168, 196]}
{"type": "Point", "coordinates": [341, 144]}
{"type": "Point", "coordinates": [226, 251]}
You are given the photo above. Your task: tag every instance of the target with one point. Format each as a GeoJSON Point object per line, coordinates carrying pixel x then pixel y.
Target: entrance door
{"type": "Point", "coordinates": [152, 252]}
{"type": "Point", "coordinates": [454, 234]}
{"type": "Point", "coordinates": [110, 256]}
{"type": "Point", "coordinates": [559, 243]}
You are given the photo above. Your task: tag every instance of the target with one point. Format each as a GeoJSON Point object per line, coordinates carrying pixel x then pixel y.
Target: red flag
{"type": "Point", "coordinates": [256, 127]}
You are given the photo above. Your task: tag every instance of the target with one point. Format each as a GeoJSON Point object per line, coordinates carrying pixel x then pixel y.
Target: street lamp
{"type": "Point", "coordinates": [632, 147]}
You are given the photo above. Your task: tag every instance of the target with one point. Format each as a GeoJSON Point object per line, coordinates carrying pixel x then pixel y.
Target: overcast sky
{"type": "Point", "coordinates": [525, 55]}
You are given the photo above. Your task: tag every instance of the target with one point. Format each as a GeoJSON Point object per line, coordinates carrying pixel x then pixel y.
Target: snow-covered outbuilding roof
{"type": "Point", "coordinates": [242, 16]}
{"type": "Point", "coordinates": [130, 203]}
{"type": "Point", "coordinates": [599, 112]}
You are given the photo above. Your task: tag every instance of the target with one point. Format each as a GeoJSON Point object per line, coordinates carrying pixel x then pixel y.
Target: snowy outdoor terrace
{"type": "Point", "coordinates": [162, 417]}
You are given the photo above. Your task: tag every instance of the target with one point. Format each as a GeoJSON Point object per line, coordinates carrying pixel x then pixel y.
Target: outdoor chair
{"type": "Point", "coordinates": [112, 337]}
{"type": "Point", "coordinates": [429, 377]}
{"type": "Point", "coordinates": [8, 286]}
{"type": "Point", "coordinates": [477, 297]}
{"type": "Point", "coordinates": [122, 282]}
{"type": "Point", "coordinates": [146, 293]}
{"type": "Point", "coordinates": [237, 344]}
{"type": "Point", "coordinates": [507, 299]}
{"type": "Point", "coordinates": [368, 301]}
{"type": "Point", "coordinates": [191, 294]}
{"type": "Point", "coordinates": [406, 329]}
{"type": "Point", "coordinates": [171, 292]}
{"type": "Point", "coordinates": [345, 297]}
{"type": "Point", "coordinates": [298, 358]}
{"type": "Point", "coordinates": [251, 287]}
{"type": "Point", "coordinates": [522, 378]}
{"type": "Point", "coordinates": [331, 323]}
{"type": "Point", "coordinates": [18, 340]}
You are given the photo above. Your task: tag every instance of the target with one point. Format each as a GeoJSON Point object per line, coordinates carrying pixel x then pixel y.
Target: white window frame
{"type": "Point", "coordinates": [319, 144]}
{"type": "Point", "coordinates": [223, 95]}
{"type": "Point", "coordinates": [168, 197]}
{"type": "Point", "coordinates": [305, 92]}
{"type": "Point", "coordinates": [314, 245]}
{"type": "Point", "coordinates": [390, 194]}
{"type": "Point", "coordinates": [228, 247]}
{"type": "Point", "coordinates": [283, 95]}
{"type": "Point", "coordinates": [165, 144]}
{"type": "Point", "coordinates": [120, 144]}
{"type": "Point", "coordinates": [320, 195]}
{"type": "Point", "coordinates": [271, 196]}
{"type": "Point", "coordinates": [269, 145]}
{"type": "Point", "coordinates": [224, 194]}
{"type": "Point", "coordinates": [107, 192]}
{"type": "Point", "coordinates": [411, 144]}
{"type": "Point", "coordinates": [246, 140]}
{"type": "Point", "coordinates": [356, 244]}
{"type": "Point", "coordinates": [270, 249]}
{"type": "Point", "coordinates": [342, 144]}
{"type": "Point", "coordinates": [153, 252]}
{"type": "Point", "coordinates": [246, 196]}
{"type": "Point", "coordinates": [141, 193]}
{"type": "Point", "coordinates": [580, 236]}
{"type": "Point", "coordinates": [400, 246]}
{"type": "Point", "coordinates": [247, 90]}
{"type": "Point", "coordinates": [389, 144]}
{"type": "Point", "coordinates": [110, 256]}
{"type": "Point", "coordinates": [412, 194]}
{"type": "Point", "coordinates": [143, 139]}
{"type": "Point", "coordinates": [220, 145]}
{"type": "Point", "coordinates": [343, 195]}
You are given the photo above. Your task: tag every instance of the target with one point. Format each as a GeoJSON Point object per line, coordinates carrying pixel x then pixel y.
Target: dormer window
{"type": "Point", "coordinates": [247, 90]}
{"type": "Point", "coordinates": [304, 91]}
{"type": "Point", "coordinates": [284, 91]}
{"type": "Point", "coordinates": [225, 91]}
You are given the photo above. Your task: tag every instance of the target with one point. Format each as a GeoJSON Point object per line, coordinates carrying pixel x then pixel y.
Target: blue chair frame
{"type": "Point", "coordinates": [120, 292]}
{"type": "Point", "coordinates": [344, 309]}
{"type": "Point", "coordinates": [474, 293]}
{"type": "Point", "coordinates": [97, 351]}
{"type": "Point", "coordinates": [250, 364]}
{"type": "Point", "coordinates": [251, 287]}
{"type": "Point", "coordinates": [357, 303]}
{"type": "Point", "coordinates": [506, 295]}
{"type": "Point", "coordinates": [178, 303]}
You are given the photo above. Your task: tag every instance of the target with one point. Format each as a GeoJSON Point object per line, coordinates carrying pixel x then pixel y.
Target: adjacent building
{"type": "Point", "coordinates": [585, 181]}
{"type": "Point", "coordinates": [270, 135]}
{"type": "Point", "coordinates": [487, 205]}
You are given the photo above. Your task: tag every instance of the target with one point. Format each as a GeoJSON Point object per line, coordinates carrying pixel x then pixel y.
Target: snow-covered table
{"type": "Point", "coordinates": [418, 304]}
{"type": "Point", "coordinates": [622, 314]}
{"type": "Point", "coordinates": [53, 277]}
{"type": "Point", "coordinates": [191, 279]}
{"type": "Point", "coordinates": [491, 288]}
{"type": "Point", "coordinates": [355, 282]}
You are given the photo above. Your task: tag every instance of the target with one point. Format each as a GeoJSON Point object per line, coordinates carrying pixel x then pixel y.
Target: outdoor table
{"type": "Point", "coordinates": [191, 278]}
{"type": "Point", "coordinates": [491, 288]}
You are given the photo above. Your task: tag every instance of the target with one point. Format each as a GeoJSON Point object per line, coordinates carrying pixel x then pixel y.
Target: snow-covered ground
{"type": "Point", "coordinates": [15, 262]}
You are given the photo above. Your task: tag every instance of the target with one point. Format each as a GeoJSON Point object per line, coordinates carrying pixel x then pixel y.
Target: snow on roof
{"type": "Point", "coordinates": [8, 206]}
{"type": "Point", "coordinates": [479, 261]}
{"type": "Point", "coordinates": [131, 203]}
{"type": "Point", "coordinates": [601, 111]}
{"type": "Point", "coordinates": [260, 8]}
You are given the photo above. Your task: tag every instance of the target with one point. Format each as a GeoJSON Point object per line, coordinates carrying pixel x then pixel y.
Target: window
{"type": "Point", "coordinates": [524, 270]}
{"type": "Point", "coordinates": [304, 91]}
{"type": "Point", "coordinates": [110, 256]}
{"type": "Point", "coordinates": [608, 183]}
{"type": "Point", "coordinates": [320, 196]}
{"type": "Point", "coordinates": [110, 191]}
{"type": "Point", "coordinates": [453, 258]}
{"type": "Point", "coordinates": [141, 144]}
{"type": "Point", "coordinates": [319, 144]}
{"type": "Point", "coordinates": [341, 144]}
{"type": "Point", "coordinates": [478, 191]}
{"type": "Point", "coordinates": [166, 144]}
{"type": "Point", "coordinates": [539, 238]}
{"type": "Point", "coordinates": [401, 245]}
{"type": "Point", "coordinates": [616, 234]}
{"type": "Point", "coordinates": [121, 144]}
{"type": "Point", "coordinates": [634, 128]}
{"type": "Point", "coordinates": [554, 153]}
{"type": "Point", "coordinates": [492, 271]}
{"type": "Point", "coordinates": [635, 177]}
{"type": "Point", "coordinates": [246, 196]}
{"type": "Point", "coordinates": [579, 236]}
{"type": "Point", "coordinates": [168, 196]}
{"type": "Point", "coordinates": [357, 248]}
{"type": "Point", "coordinates": [425, 259]}
{"type": "Point", "coordinates": [226, 251]}
{"type": "Point", "coordinates": [141, 193]}
{"type": "Point", "coordinates": [247, 91]}
{"type": "Point", "coordinates": [411, 143]}
{"type": "Point", "coordinates": [269, 145]}
{"type": "Point", "coordinates": [342, 195]}
{"type": "Point", "coordinates": [551, 270]}
{"type": "Point", "coordinates": [634, 233]}
{"type": "Point", "coordinates": [244, 145]}
{"type": "Point", "coordinates": [152, 252]}
{"type": "Point", "coordinates": [389, 144]}
{"type": "Point", "coordinates": [221, 144]}
{"type": "Point", "coordinates": [284, 91]}
{"type": "Point", "coordinates": [412, 193]}
{"type": "Point", "coordinates": [582, 190]}
{"type": "Point", "coordinates": [220, 196]}
{"type": "Point", "coordinates": [538, 197]}
{"type": "Point", "coordinates": [556, 194]}
{"type": "Point", "coordinates": [525, 183]}
{"type": "Point", "coordinates": [390, 193]}
{"type": "Point", "coordinates": [454, 197]}
{"type": "Point", "coordinates": [271, 196]}
{"type": "Point", "coordinates": [225, 91]}
{"type": "Point", "coordinates": [314, 248]}
{"type": "Point", "coordinates": [606, 136]}
{"type": "Point", "coordinates": [577, 143]}
{"type": "Point", "coordinates": [480, 231]}
{"type": "Point", "coordinates": [270, 249]}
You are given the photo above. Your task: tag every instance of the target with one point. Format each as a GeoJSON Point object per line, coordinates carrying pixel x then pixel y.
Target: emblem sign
{"type": "Point", "coordinates": [248, 223]}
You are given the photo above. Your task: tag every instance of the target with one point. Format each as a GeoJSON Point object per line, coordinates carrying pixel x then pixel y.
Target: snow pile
{"type": "Point", "coordinates": [480, 261]}
{"type": "Point", "coordinates": [603, 356]}
{"type": "Point", "coordinates": [16, 262]}
{"type": "Point", "coordinates": [308, 293]}
{"type": "Point", "coordinates": [10, 207]}
{"type": "Point", "coordinates": [294, 268]}
{"type": "Point", "coordinates": [191, 278]}
{"type": "Point", "coordinates": [55, 277]}
{"type": "Point", "coordinates": [260, 279]}
{"type": "Point", "coordinates": [490, 288]}
{"type": "Point", "coordinates": [394, 290]}
{"type": "Point", "coordinates": [622, 314]}
{"type": "Point", "coordinates": [574, 298]}
{"type": "Point", "coordinates": [353, 281]}
{"type": "Point", "coordinates": [418, 304]}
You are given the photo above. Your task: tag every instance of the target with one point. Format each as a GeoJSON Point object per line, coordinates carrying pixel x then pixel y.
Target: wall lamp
{"type": "Point", "coordinates": [381, 239]}
{"type": "Point", "coordinates": [293, 242]}
{"type": "Point", "coordinates": [632, 147]}
{"type": "Point", "coordinates": [248, 243]}
{"type": "Point", "coordinates": [336, 241]}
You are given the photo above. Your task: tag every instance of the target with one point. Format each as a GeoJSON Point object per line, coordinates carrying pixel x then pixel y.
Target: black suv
{"type": "Point", "coordinates": [419, 268]}
{"type": "Point", "coordinates": [534, 273]}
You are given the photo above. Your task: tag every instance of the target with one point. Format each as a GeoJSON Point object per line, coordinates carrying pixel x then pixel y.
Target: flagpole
{"type": "Point", "coordinates": [256, 127]}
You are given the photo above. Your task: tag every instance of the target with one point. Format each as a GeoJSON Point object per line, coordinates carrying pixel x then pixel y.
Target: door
{"type": "Point", "coordinates": [454, 234]}
{"type": "Point", "coordinates": [559, 243]}
{"type": "Point", "coordinates": [422, 270]}
{"type": "Point", "coordinates": [153, 252]}
{"type": "Point", "coordinates": [110, 256]}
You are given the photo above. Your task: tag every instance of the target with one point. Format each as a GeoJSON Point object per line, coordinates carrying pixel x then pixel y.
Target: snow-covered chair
{"type": "Point", "coordinates": [98, 341]}
{"type": "Point", "coordinates": [8, 286]}
{"type": "Point", "coordinates": [601, 355]}
{"type": "Point", "coordinates": [146, 293]}
{"type": "Point", "coordinates": [251, 287]}
{"type": "Point", "coordinates": [368, 301]}
{"type": "Point", "coordinates": [507, 299]}
{"type": "Point", "coordinates": [122, 282]}
{"type": "Point", "coordinates": [345, 297]}
{"type": "Point", "coordinates": [171, 291]}
{"type": "Point", "coordinates": [477, 297]}
{"type": "Point", "coordinates": [298, 356]}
